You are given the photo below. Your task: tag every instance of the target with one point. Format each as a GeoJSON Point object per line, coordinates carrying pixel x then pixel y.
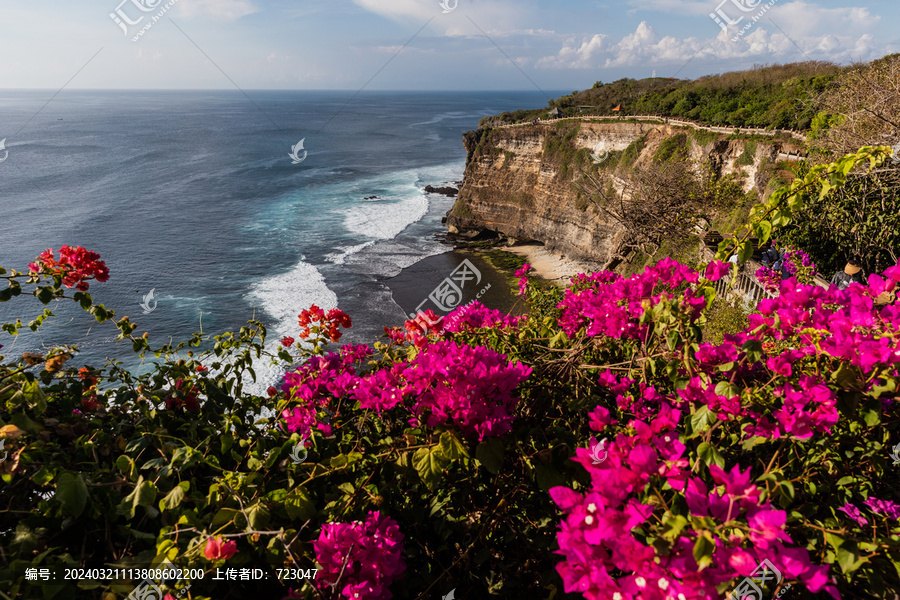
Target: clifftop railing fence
{"type": "Point", "coordinates": [670, 121]}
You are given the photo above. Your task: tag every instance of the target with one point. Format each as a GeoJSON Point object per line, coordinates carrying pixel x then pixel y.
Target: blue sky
{"type": "Point", "coordinates": [478, 45]}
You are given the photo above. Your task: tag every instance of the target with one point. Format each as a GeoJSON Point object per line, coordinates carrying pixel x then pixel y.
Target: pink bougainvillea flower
{"type": "Point", "coordinates": [522, 276]}
{"type": "Point", "coordinates": [717, 269]}
{"type": "Point", "coordinates": [362, 558]}
{"type": "Point", "coordinates": [216, 549]}
{"type": "Point", "coordinates": [853, 513]}
{"type": "Point", "coordinates": [883, 507]}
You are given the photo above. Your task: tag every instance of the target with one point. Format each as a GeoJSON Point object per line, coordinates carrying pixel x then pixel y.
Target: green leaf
{"type": "Point", "coordinates": [674, 525]}
{"type": "Point", "coordinates": [430, 463]}
{"type": "Point", "coordinates": [872, 417]}
{"type": "Point", "coordinates": [186, 457]}
{"type": "Point", "coordinates": [745, 252]}
{"type": "Point", "coordinates": [72, 494]}
{"type": "Point", "coordinates": [144, 494]}
{"type": "Point", "coordinates": [43, 476]}
{"type": "Point", "coordinates": [763, 231]}
{"type": "Point", "coordinates": [848, 557]}
{"type": "Point", "coordinates": [452, 447]}
{"type": "Point", "coordinates": [136, 445]}
{"type": "Point", "coordinates": [34, 396]}
{"type": "Point", "coordinates": [753, 442]}
{"type": "Point", "coordinates": [703, 550]}
{"type": "Point", "coordinates": [127, 466]}
{"type": "Point", "coordinates": [259, 516]}
{"type": "Point", "coordinates": [702, 420]}
{"type": "Point", "coordinates": [223, 516]}
{"type": "Point", "coordinates": [709, 455]}
{"type": "Point", "coordinates": [490, 454]}
{"type": "Point", "coordinates": [175, 496]}
{"type": "Point", "coordinates": [727, 389]}
{"type": "Point", "coordinates": [299, 506]}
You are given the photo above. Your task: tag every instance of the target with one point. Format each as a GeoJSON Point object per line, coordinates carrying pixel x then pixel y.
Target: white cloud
{"type": "Point", "coordinates": [575, 56]}
{"type": "Point", "coordinates": [837, 34]}
{"type": "Point", "coordinates": [225, 10]}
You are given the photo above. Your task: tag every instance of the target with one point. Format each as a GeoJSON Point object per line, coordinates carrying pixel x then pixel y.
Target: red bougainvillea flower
{"type": "Point", "coordinates": [272, 391]}
{"type": "Point", "coordinates": [75, 265]}
{"type": "Point", "coordinates": [419, 330]}
{"type": "Point", "coordinates": [202, 369]}
{"type": "Point", "coordinates": [185, 396]}
{"type": "Point", "coordinates": [216, 548]}
{"type": "Point", "coordinates": [90, 402]}
{"type": "Point", "coordinates": [287, 341]}
{"type": "Point", "coordinates": [328, 323]}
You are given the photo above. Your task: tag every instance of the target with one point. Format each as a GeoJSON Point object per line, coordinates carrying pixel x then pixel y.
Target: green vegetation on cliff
{"type": "Point", "coordinates": [776, 97]}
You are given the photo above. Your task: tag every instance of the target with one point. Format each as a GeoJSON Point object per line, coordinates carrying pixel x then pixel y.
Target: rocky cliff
{"type": "Point", "coordinates": [519, 180]}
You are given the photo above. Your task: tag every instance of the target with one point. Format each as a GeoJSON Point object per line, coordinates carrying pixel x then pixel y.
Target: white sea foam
{"type": "Point", "coordinates": [282, 297]}
{"type": "Point", "coordinates": [340, 258]}
{"type": "Point", "coordinates": [385, 220]}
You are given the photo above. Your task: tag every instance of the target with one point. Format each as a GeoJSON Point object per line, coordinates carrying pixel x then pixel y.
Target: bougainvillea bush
{"type": "Point", "coordinates": [598, 447]}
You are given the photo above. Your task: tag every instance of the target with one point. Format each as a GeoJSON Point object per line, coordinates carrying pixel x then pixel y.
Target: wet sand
{"type": "Point", "coordinates": [414, 288]}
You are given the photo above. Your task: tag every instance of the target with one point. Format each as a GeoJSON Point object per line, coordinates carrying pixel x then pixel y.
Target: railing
{"type": "Point", "coordinates": [670, 121]}
{"type": "Point", "coordinates": [747, 288]}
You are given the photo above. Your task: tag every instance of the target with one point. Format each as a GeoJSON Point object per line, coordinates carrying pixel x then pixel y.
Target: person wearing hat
{"type": "Point", "coordinates": [852, 273]}
{"type": "Point", "coordinates": [772, 256]}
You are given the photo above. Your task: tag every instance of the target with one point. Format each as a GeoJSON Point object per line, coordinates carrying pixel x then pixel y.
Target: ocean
{"type": "Point", "coordinates": [193, 195]}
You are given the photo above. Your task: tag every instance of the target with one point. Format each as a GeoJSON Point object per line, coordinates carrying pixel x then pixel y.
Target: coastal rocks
{"type": "Point", "coordinates": [450, 192]}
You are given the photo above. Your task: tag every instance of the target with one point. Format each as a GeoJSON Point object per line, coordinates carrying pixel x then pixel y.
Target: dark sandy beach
{"type": "Point", "coordinates": [413, 286]}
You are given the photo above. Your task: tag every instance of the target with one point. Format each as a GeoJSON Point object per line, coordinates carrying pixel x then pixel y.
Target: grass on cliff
{"type": "Point", "coordinates": [672, 148]}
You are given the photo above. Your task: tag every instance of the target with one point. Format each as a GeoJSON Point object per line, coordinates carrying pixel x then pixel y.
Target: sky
{"type": "Point", "coordinates": [421, 44]}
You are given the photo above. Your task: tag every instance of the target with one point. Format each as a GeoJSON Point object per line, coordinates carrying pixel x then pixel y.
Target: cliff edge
{"type": "Point", "coordinates": [520, 181]}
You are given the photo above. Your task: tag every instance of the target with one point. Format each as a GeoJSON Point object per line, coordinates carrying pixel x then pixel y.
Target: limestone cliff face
{"type": "Point", "coordinates": [519, 180]}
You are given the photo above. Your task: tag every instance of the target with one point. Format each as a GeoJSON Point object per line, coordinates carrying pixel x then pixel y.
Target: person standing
{"type": "Point", "coordinates": [852, 273]}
